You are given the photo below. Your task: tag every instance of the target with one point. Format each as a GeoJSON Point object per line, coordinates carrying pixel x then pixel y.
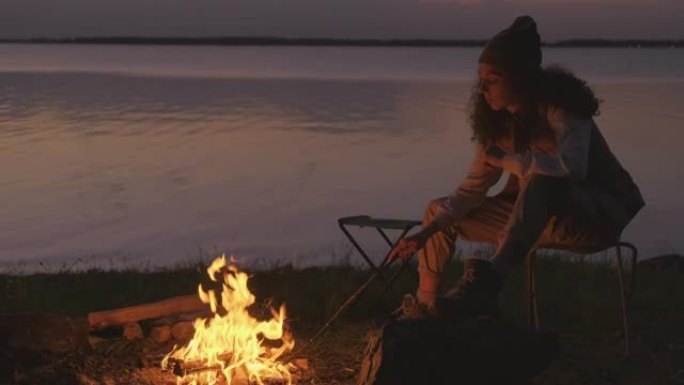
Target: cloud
{"type": "Point", "coordinates": [463, 19]}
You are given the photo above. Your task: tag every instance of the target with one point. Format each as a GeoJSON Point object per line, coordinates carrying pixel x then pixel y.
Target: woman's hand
{"type": "Point", "coordinates": [409, 245]}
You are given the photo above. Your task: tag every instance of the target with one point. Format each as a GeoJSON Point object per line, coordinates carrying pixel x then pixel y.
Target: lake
{"type": "Point", "coordinates": [153, 155]}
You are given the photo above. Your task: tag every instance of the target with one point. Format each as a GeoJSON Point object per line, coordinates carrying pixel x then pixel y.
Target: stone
{"type": "Point", "coordinates": [480, 351]}
{"type": "Point", "coordinates": [55, 333]}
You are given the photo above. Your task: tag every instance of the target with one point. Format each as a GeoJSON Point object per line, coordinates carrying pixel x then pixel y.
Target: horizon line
{"type": "Point", "coordinates": [269, 40]}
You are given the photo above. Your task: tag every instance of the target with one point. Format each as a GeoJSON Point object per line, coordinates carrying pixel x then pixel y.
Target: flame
{"type": "Point", "coordinates": [230, 341]}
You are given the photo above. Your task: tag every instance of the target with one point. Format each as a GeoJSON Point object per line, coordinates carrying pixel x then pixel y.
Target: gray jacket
{"type": "Point", "coordinates": [573, 148]}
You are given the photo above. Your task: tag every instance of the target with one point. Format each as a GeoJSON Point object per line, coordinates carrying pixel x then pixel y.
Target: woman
{"type": "Point", "coordinates": [566, 186]}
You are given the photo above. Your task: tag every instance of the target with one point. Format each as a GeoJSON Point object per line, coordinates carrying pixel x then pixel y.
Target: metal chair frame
{"type": "Point", "coordinates": [625, 287]}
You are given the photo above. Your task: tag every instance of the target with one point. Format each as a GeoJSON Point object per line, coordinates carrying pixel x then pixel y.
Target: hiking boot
{"type": "Point", "coordinates": [475, 293]}
{"type": "Point", "coordinates": [412, 309]}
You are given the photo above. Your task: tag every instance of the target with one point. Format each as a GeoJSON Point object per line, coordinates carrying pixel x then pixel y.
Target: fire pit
{"type": "Point", "coordinates": [232, 346]}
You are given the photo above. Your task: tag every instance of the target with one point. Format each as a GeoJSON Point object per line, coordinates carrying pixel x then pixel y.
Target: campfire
{"type": "Point", "coordinates": [232, 346]}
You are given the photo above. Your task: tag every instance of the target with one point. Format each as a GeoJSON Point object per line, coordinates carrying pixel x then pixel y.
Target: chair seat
{"type": "Point", "coordinates": [579, 248]}
{"type": "Point", "coordinates": [382, 223]}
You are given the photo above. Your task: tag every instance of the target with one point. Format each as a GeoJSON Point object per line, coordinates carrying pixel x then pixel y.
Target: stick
{"type": "Point", "coordinates": [180, 368]}
{"type": "Point", "coordinates": [345, 305]}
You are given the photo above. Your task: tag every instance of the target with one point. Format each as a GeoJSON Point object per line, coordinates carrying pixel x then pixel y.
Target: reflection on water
{"type": "Point", "coordinates": [102, 165]}
{"type": "Point", "coordinates": [105, 164]}
{"type": "Point", "coordinates": [108, 104]}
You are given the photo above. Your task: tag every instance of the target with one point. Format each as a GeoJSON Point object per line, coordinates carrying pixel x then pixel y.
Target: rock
{"type": "Point", "coordinates": [132, 331]}
{"type": "Point", "coordinates": [55, 333]}
{"type": "Point", "coordinates": [160, 334]}
{"type": "Point", "coordinates": [481, 351]}
{"type": "Point", "coordinates": [183, 330]}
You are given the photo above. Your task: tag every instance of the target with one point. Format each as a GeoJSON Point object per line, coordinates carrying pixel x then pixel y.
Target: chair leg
{"type": "Point", "coordinates": [632, 266]}
{"type": "Point", "coordinates": [623, 298]}
{"type": "Point", "coordinates": [533, 315]}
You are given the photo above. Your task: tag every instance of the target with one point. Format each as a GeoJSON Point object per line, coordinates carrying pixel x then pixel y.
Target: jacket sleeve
{"type": "Point", "coordinates": [573, 135]}
{"type": "Point", "coordinates": [470, 193]}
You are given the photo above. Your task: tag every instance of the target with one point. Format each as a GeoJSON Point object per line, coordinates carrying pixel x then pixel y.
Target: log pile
{"type": "Point", "coordinates": [167, 319]}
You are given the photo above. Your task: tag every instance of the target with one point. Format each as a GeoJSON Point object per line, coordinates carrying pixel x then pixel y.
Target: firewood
{"type": "Point", "coordinates": [183, 330]}
{"type": "Point", "coordinates": [173, 319]}
{"type": "Point", "coordinates": [160, 334]}
{"type": "Point", "coordinates": [167, 307]}
{"type": "Point", "coordinates": [132, 331]}
{"type": "Point", "coordinates": [182, 368]}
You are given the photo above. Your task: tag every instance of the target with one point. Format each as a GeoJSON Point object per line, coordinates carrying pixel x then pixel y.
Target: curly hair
{"type": "Point", "coordinates": [555, 85]}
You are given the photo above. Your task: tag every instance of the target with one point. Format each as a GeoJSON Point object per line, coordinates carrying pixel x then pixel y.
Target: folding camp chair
{"type": "Point", "coordinates": [625, 278]}
{"type": "Point", "coordinates": [380, 224]}
{"type": "Point", "coordinates": [625, 288]}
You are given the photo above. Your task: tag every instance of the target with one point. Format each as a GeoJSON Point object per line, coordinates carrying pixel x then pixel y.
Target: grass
{"type": "Point", "coordinates": [577, 298]}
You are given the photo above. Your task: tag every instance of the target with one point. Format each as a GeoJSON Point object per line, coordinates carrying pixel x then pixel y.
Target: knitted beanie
{"type": "Point", "coordinates": [516, 49]}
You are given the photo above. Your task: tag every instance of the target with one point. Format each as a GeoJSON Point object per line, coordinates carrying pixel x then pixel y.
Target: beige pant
{"type": "Point", "coordinates": [547, 212]}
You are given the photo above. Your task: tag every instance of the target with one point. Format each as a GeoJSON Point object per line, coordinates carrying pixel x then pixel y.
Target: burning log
{"type": "Point", "coordinates": [167, 307]}
{"type": "Point", "coordinates": [232, 346]}
{"type": "Point", "coordinates": [180, 368]}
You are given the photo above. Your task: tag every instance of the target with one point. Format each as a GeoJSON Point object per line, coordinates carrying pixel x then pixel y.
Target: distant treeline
{"type": "Point", "coordinates": [279, 41]}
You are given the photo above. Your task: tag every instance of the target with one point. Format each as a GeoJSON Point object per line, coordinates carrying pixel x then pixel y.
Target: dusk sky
{"type": "Point", "coordinates": [451, 19]}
